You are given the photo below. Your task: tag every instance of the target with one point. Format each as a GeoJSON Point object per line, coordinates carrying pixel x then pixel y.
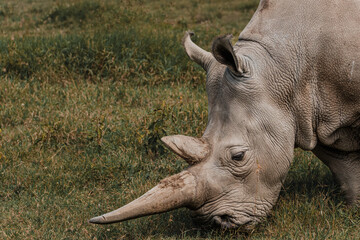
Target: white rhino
{"type": "Point", "coordinates": [291, 80]}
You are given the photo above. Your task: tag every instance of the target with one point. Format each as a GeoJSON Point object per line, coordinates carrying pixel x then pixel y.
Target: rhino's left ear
{"type": "Point", "coordinates": [197, 54]}
{"type": "Point", "coordinates": [193, 150]}
{"type": "Point", "coordinates": [224, 53]}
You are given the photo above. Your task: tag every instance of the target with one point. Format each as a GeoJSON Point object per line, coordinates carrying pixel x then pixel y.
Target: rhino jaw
{"type": "Point", "coordinates": [171, 193]}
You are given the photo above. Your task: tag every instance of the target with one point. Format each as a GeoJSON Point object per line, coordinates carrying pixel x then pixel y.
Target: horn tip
{"type": "Point", "coordinates": [164, 139]}
{"type": "Point", "coordinates": [97, 220]}
{"type": "Point", "coordinates": [167, 140]}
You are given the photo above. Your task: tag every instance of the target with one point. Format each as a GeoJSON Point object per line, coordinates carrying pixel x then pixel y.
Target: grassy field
{"type": "Point", "coordinates": [87, 88]}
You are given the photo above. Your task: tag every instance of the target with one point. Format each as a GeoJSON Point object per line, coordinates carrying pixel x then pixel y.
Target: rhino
{"type": "Point", "coordinates": [291, 80]}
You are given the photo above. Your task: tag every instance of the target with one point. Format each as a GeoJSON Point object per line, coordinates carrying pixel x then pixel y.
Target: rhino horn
{"type": "Point", "coordinates": [173, 192]}
{"type": "Point", "coordinates": [193, 150]}
{"type": "Point", "coordinates": [224, 53]}
{"type": "Point", "coordinates": [197, 54]}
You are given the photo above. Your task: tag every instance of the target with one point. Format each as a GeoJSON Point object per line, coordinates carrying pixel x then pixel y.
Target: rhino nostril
{"type": "Point", "coordinates": [224, 217]}
{"type": "Point", "coordinates": [224, 221]}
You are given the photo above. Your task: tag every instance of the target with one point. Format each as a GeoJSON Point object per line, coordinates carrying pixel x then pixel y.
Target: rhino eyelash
{"type": "Point", "coordinates": [238, 156]}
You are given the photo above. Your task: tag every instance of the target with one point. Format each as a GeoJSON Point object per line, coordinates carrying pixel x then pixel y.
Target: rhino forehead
{"type": "Point", "coordinates": [225, 94]}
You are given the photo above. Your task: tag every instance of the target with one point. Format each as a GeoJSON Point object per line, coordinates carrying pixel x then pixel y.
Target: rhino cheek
{"type": "Point", "coordinates": [239, 196]}
{"type": "Point", "coordinates": [228, 202]}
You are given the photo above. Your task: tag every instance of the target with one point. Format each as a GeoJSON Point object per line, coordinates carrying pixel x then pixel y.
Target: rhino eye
{"type": "Point", "coordinates": [238, 156]}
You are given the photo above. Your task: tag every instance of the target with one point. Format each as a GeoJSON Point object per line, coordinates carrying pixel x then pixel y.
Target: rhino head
{"type": "Point", "coordinates": [238, 165]}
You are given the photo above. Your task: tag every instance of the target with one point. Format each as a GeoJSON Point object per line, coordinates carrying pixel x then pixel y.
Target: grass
{"type": "Point", "coordinates": [89, 87]}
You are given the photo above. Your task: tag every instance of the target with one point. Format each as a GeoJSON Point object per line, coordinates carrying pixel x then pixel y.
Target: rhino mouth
{"type": "Point", "coordinates": [226, 221]}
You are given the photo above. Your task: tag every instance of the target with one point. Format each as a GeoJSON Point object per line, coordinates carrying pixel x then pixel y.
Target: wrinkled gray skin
{"type": "Point", "coordinates": [291, 80]}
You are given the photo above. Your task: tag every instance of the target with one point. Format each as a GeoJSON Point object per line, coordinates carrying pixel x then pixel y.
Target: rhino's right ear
{"type": "Point", "coordinates": [197, 54]}
{"type": "Point", "coordinates": [224, 53]}
{"type": "Point", "coordinates": [193, 150]}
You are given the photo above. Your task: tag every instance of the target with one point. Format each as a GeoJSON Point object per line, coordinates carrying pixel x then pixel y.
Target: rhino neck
{"type": "Point", "coordinates": [286, 34]}
{"type": "Point", "coordinates": [316, 57]}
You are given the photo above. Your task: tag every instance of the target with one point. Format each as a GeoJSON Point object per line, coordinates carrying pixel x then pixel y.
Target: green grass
{"type": "Point", "coordinates": [87, 88]}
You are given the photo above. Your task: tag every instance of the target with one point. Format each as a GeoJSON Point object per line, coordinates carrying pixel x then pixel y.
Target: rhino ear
{"type": "Point", "coordinates": [193, 150]}
{"type": "Point", "coordinates": [224, 53]}
{"type": "Point", "coordinates": [197, 54]}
